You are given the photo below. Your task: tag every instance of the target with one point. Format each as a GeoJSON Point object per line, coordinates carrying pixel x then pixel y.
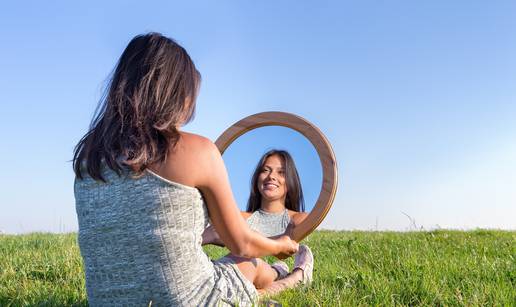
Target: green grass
{"type": "Point", "coordinates": [436, 268]}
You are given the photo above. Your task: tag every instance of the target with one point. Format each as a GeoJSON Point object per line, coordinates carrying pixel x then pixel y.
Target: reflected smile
{"type": "Point", "coordinates": [270, 185]}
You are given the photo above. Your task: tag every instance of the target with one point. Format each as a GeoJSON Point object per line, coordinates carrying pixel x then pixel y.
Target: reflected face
{"type": "Point", "coordinates": [271, 180]}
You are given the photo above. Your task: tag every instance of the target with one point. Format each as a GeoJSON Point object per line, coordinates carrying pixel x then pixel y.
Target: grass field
{"type": "Point", "coordinates": [436, 268]}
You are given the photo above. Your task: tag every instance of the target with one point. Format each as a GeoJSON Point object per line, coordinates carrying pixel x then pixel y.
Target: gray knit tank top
{"type": "Point", "coordinates": [269, 224]}
{"type": "Point", "coordinates": [140, 239]}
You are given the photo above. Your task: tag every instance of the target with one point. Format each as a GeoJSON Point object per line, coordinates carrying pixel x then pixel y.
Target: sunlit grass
{"type": "Point", "coordinates": [472, 268]}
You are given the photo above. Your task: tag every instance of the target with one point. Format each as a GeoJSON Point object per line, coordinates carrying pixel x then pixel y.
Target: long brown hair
{"type": "Point", "coordinates": [294, 199]}
{"type": "Point", "coordinates": [152, 90]}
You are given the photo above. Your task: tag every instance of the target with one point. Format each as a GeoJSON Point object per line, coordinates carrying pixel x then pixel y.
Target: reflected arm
{"type": "Point", "coordinates": [295, 219]}
{"type": "Point", "coordinates": [210, 236]}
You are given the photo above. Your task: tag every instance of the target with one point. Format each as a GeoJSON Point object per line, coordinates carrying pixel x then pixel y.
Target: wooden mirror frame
{"type": "Point", "coordinates": [318, 140]}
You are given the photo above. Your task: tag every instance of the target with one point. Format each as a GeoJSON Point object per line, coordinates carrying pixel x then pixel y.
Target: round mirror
{"type": "Point", "coordinates": [244, 143]}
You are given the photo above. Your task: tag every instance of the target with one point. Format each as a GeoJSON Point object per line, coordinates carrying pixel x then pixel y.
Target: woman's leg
{"type": "Point", "coordinates": [263, 276]}
{"type": "Point", "coordinates": [302, 273]}
{"type": "Point", "coordinates": [259, 272]}
{"type": "Point", "coordinates": [292, 280]}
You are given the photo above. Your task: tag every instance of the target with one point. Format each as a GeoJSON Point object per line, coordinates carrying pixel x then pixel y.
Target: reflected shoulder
{"type": "Point", "coordinates": [246, 214]}
{"type": "Point", "coordinates": [297, 217]}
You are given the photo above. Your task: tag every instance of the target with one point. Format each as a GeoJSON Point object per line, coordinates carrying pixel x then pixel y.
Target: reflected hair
{"type": "Point", "coordinates": [294, 200]}
{"type": "Point", "coordinates": [152, 91]}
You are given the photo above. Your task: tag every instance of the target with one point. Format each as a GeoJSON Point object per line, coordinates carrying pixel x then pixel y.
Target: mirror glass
{"type": "Point", "coordinates": [242, 156]}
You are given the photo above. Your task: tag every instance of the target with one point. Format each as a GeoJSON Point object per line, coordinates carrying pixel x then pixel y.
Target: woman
{"type": "Point", "coordinates": [145, 191]}
{"type": "Point", "coordinates": [276, 198]}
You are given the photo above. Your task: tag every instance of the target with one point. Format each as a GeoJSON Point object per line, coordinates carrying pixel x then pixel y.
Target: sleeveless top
{"type": "Point", "coordinates": [140, 239]}
{"type": "Point", "coordinates": [269, 224]}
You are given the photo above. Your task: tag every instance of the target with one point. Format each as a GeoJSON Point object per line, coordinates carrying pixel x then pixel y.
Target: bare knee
{"type": "Point", "coordinates": [265, 275]}
{"type": "Point", "coordinates": [257, 271]}
{"type": "Point", "coordinates": [247, 266]}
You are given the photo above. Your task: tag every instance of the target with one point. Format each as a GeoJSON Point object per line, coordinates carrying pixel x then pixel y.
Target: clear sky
{"type": "Point", "coordinates": [418, 98]}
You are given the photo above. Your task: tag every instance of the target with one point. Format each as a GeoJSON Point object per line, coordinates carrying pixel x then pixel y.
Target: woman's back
{"type": "Point", "coordinates": [140, 239]}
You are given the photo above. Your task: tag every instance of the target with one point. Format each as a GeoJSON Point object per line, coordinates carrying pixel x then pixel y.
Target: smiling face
{"type": "Point", "coordinates": [271, 179]}
{"type": "Point", "coordinates": [276, 182]}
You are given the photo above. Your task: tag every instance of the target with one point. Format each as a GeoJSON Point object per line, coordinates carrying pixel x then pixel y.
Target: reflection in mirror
{"type": "Point", "coordinates": [242, 156]}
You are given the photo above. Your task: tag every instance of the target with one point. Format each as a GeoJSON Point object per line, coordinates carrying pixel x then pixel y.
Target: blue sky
{"type": "Point", "coordinates": [418, 98]}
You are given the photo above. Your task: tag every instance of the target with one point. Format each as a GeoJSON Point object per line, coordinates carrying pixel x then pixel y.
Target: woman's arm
{"type": "Point", "coordinates": [212, 180]}
{"type": "Point", "coordinates": [210, 236]}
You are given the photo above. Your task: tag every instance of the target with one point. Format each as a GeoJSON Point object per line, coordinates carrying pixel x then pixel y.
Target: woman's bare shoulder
{"type": "Point", "coordinates": [199, 158]}
{"type": "Point", "coordinates": [196, 147]}
{"type": "Point", "coordinates": [188, 159]}
{"type": "Point", "coordinates": [187, 138]}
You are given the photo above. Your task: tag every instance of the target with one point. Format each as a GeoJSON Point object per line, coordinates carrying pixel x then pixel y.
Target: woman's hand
{"type": "Point", "coordinates": [288, 247]}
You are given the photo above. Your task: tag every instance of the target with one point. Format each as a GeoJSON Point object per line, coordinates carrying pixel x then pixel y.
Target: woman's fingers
{"type": "Point", "coordinates": [290, 246]}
